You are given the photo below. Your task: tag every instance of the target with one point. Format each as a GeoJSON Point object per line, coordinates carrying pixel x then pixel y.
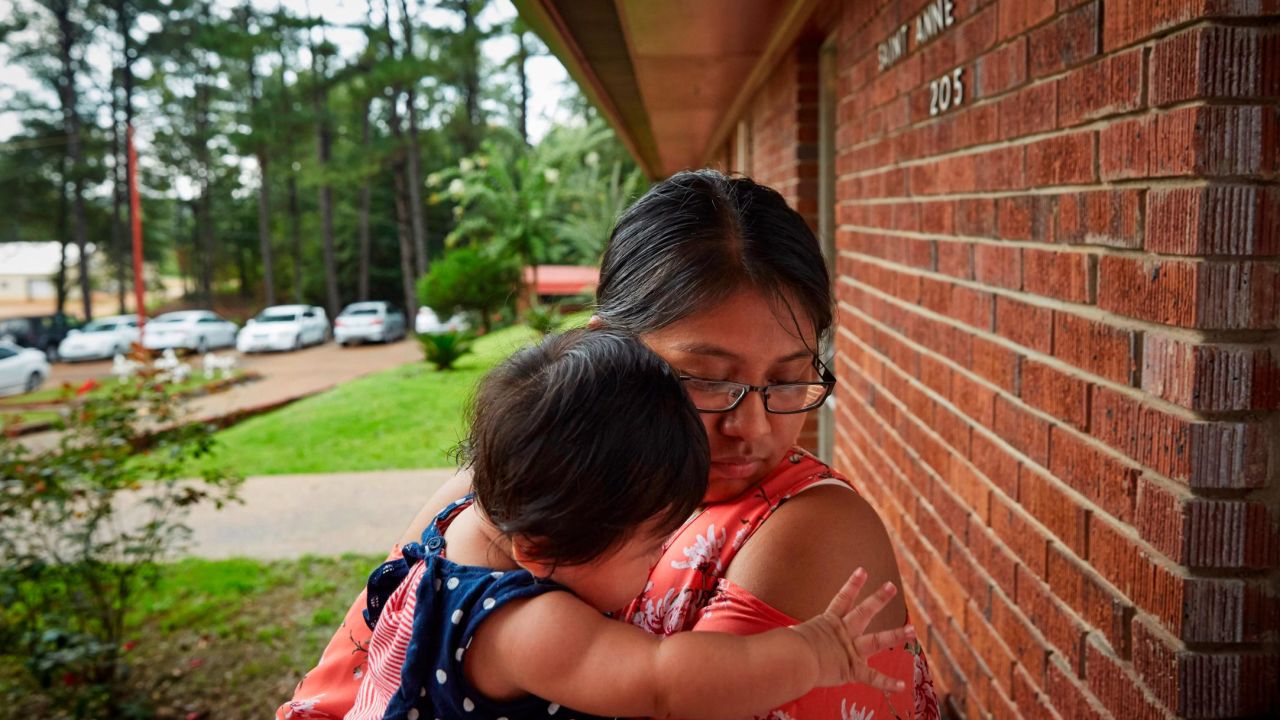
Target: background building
{"type": "Point", "coordinates": [1055, 228]}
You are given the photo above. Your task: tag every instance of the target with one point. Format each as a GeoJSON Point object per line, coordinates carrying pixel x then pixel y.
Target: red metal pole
{"type": "Point", "coordinates": [135, 209]}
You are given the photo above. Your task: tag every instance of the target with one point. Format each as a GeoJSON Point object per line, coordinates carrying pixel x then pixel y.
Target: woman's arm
{"type": "Point", "coordinates": [802, 554]}
{"type": "Point", "coordinates": [558, 648]}
{"type": "Point", "coordinates": [453, 488]}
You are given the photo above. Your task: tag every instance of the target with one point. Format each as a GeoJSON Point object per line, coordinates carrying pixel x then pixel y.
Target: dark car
{"type": "Point", "coordinates": [41, 332]}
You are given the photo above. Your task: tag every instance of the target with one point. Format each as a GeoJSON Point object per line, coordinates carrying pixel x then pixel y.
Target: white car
{"type": "Point", "coordinates": [284, 327]}
{"type": "Point", "coordinates": [428, 322]}
{"type": "Point", "coordinates": [374, 321]}
{"type": "Point", "coordinates": [197, 330]}
{"type": "Point", "coordinates": [22, 370]}
{"type": "Point", "coordinates": [102, 338]}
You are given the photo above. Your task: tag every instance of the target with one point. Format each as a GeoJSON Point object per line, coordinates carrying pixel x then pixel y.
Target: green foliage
{"type": "Point", "coordinates": [466, 279]}
{"type": "Point", "coordinates": [82, 528]}
{"type": "Point", "coordinates": [543, 319]}
{"type": "Point", "coordinates": [444, 349]}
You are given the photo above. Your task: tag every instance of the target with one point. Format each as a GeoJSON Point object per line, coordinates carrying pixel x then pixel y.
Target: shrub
{"type": "Point", "coordinates": [83, 525]}
{"type": "Point", "coordinates": [544, 319]}
{"type": "Point", "coordinates": [466, 278]}
{"type": "Point", "coordinates": [444, 349]}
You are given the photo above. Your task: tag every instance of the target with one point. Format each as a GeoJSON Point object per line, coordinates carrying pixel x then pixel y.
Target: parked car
{"type": "Point", "coordinates": [38, 332]}
{"type": "Point", "coordinates": [284, 327]}
{"type": "Point", "coordinates": [22, 370]}
{"type": "Point", "coordinates": [197, 330]}
{"type": "Point", "coordinates": [373, 321]}
{"type": "Point", "coordinates": [428, 322]}
{"type": "Point", "coordinates": [101, 338]}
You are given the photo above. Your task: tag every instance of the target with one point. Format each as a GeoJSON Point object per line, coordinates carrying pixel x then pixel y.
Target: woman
{"type": "Point", "coordinates": [728, 284]}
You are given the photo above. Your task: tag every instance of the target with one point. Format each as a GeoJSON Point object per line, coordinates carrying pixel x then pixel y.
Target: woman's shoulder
{"type": "Point", "coordinates": [799, 557]}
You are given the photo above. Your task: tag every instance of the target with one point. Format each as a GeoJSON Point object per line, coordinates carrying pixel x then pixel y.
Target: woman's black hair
{"type": "Point", "coordinates": [578, 441]}
{"type": "Point", "coordinates": [698, 237]}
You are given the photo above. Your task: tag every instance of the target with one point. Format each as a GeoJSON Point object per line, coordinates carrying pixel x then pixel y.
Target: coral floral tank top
{"type": "Point", "coordinates": [687, 590]}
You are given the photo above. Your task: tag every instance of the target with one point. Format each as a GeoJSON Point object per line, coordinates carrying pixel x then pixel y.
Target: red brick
{"type": "Point", "coordinates": [1001, 70]}
{"type": "Point", "coordinates": [992, 460]}
{"type": "Point", "coordinates": [999, 265]}
{"type": "Point", "coordinates": [1062, 160]}
{"type": "Point", "coordinates": [1085, 592]}
{"type": "Point", "coordinates": [1030, 110]}
{"type": "Point", "coordinates": [1096, 348]}
{"type": "Point", "coordinates": [1206, 533]}
{"type": "Point", "coordinates": [1209, 377]}
{"type": "Point", "coordinates": [1026, 217]}
{"type": "Point", "coordinates": [1109, 483]}
{"type": "Point", "coordinates": [1055, 621]}
{"type": "Point", "coordinates": [1063, 275]}
{"type": "Point", "coordinates": [1070, 39]}
{"type": "Point", "coordinates": [1128, 21]}
{"type": "Point", "coordinates": [976, 217]}
{"type": "Point", "coordinates": [1214, 220]}
{"type": "Point", "coordinates": [1194, 141]}
{"type": "Point", "coordinates": [989, 647]}
{"type": "Point", "coordinates": [1018, 15]}
{"type": "Point", "coordinates": [1213, 62]}
{"type": "Point", "coordinates": [1124, 149]}
{"type": "Point", "coordinates": [1021, 429]}
{"type": "Point", "coordinates": [1030, 326]}
{"type": "Point", "coordinates": [995, 363]}
{"type": "Point", "coordinates": [1109, 86]}
{"type": "Point", "coordinates": [955, 259]}
{"type": "Point", "coordinates": [953, 430]}
{"type": "Point", "coordinates": [1017, 533]}
{"type": "Point", "coordinates": [1031, 702]}
{"type": "Point", "coordinates": [1107, 217]}
{"type": "Point", "coordinates": [1198, 454]}
{"type": "Point", "coordinates": [1114, 554]}
{"type": "Point", "coordinates": [999, 562]}
{"type": "Point", "coordinates": [1204, 684]}
{"type": "Point", "coordinates": [937, 218]}
{"type": "Point", "coordinates": [1227, 295]}
{"type": "Point", "coordinates": [1069, 696]}
{"type": "Point", "coordinates": [1022, 639]}
{"type": "Point", "coordinates": [1063, 396]}
{"type": "Point", "coordinates": [1113, 682]}
{"type": "Point", "coordinates": [1053, 507]}
{"type": "Point", "coordinates": [930, 527]}
{"type": "Point", "coordinates": [973, 399]}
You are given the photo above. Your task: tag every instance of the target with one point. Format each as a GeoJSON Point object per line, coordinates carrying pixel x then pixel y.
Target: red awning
{"type": "Point", "coordinates": [564, 279]}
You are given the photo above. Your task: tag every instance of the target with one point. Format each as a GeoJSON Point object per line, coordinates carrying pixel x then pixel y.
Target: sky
{"type": "Point", "coordinates": [547, 77]}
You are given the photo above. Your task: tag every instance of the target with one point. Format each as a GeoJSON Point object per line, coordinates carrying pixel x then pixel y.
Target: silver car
{"type": "Point", "coordinates": [22, 370]}
{"type": "Point", "coordinates": [197, 330]}
{"type": "Point", "coordinates": [373, 321]}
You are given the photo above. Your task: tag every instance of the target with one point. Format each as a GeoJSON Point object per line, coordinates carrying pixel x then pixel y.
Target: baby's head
{"type": "Point", "coordinates": [586, 452]}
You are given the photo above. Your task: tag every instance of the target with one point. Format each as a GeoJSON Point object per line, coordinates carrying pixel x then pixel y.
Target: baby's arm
{"type": "Point", "coordinates": [558, 648]}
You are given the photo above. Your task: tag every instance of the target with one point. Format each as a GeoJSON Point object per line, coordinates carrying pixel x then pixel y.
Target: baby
{"type": "Point", "coordinates": [585, 455]}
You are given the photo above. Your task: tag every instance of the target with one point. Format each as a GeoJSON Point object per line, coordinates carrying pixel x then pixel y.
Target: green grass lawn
{"type": "Point", "coordinates": [407, 417]}
{"type": "Point", "coordinates": [224, 639]}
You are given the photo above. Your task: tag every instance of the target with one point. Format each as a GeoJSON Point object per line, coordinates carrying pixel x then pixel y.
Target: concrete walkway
{"type": "Point", "coordinates": [286, 516]}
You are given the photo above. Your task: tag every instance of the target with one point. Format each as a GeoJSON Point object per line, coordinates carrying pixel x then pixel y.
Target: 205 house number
{"type": "Point", "coordinates": [946, 92]}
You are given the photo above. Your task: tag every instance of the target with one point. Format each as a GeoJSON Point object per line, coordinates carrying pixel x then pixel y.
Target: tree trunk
{"type": "Point", "coordinates": [117, 200]}
{"type": "Point", "coordinates": [413, 169]}
{"type": "Point", "coordinates": [204, 203]}
{"type": "Point", "coordinates": [522, 56]}
{"type": "Point", "coordinates": [324, 148]}
{"type": "Point", "coordinates": [471, 79]}
{"type": "Point", "coordinates": [124, 23]}
{"type": "Point", "coordinates": [295, 235]}
{"type": "Point", "coordinates": [403, 222]}
{"type": "Point", "coordinates": [363, 240]}
{"type": "Point", "coordinates": [264, 187]}
{"type": "Point", "coordinates": [71, 125]}
{"type": "Point", "coordinates": [60, 279]}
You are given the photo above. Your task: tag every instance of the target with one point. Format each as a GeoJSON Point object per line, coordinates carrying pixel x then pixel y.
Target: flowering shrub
{"type": "Point", "coordinates": [83, 526]}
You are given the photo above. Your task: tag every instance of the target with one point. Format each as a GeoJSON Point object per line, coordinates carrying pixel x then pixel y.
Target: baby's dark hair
{"type": "Point", "coordinates": [578, 441]}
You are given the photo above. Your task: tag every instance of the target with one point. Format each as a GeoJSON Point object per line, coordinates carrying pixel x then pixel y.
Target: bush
{"type": "Point", "coordinates": [467, 279]}
{"type": "Point", "coordinates": [83, 526]}
{"type": "Point", "coordinates": [543, 319]}
{"type": "Point", "coordinates": [444, 349]}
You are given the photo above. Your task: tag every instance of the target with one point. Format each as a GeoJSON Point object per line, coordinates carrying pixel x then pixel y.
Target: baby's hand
{"type": "Point", "coordinates": [839, 644]}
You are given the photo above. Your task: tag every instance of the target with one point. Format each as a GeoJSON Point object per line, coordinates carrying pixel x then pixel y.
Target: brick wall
{"type": "Point", "coordinates": [1058, 347]}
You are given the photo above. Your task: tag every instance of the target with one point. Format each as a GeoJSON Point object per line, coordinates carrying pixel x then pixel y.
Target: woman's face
{"type": "Point", "coordinates": [748, 339]}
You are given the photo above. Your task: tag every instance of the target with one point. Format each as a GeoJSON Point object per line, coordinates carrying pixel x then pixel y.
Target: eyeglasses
{"type": "Point", "coordinates": [722, 396]}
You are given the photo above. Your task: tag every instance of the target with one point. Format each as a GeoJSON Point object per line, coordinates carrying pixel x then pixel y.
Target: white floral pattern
{"type": "Point", "coordinates": [704, 553]}
{"type": "Point", "coordinates": [853, 712]}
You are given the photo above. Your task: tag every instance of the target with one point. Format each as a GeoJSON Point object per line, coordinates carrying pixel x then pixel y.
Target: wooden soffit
{"type": "Point", "coordinates": [671, 76]}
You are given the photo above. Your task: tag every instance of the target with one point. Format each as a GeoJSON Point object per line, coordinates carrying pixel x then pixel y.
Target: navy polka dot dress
{"type": "Point", "coordinates": [452, 601]}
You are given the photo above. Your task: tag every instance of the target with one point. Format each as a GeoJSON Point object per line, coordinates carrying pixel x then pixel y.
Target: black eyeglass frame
{"type": "Point", "coordinates": [828, 382]}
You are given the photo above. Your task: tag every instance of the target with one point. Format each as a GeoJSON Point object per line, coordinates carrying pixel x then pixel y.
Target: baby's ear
{"type": "Point", "coordinates": [595, 323]}
{"type": "Point", "coordinates": [524, 550]}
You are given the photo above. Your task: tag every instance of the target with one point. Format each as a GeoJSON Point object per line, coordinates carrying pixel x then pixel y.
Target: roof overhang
{"type": "Point", "coordinates": [671, 76]}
